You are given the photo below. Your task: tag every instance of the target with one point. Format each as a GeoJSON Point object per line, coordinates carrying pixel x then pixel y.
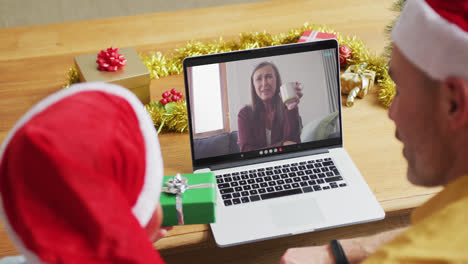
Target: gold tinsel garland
{"type": "Point", "coordinates": [72, 76]}
{"type": "Point", "coordinates": [173, 116]}
{"type": "Point", "coordinates": [169, 117]}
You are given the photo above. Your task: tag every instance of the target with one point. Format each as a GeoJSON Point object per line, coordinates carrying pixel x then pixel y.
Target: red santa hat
{"type": "Point", "coordinates": [433, 35]}
{"type": "Point", "coordinates": [80, 177]}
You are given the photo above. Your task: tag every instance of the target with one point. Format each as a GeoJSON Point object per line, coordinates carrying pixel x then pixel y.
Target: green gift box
{"type": "Point", "coordinates": [195, 195]}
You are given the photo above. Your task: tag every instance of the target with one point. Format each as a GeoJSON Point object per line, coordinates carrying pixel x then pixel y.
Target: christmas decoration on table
{"type": "Point", "coordinates": [171, 96]}
{"type": "Point", "coordinates": [356, 81]}
{"type": "Point", "coordinates": [345, 54]}
{"type": "Point", "coordinates": [161, 65]}
{"type": "Point", "coordinates": [169, 113]}
{"type": "Point", "coordinates": [312, 35]}
{"type": "Point", "coordinates": [189, 199]}
{"type": "Point", "coordinates": [72, 77]}
{"type": "Point", "coordinates": [110, 60]}
{"type": "Point", "coordinates": [387, 86]}
{"type": "Point", "coordinates": [124, 68]}
{"type": "Point", "coordinates": [387, 90]}
{"type": "Point", "coordinates": [396, 7]}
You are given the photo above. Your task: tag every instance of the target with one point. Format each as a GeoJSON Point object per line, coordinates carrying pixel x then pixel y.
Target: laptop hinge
{"type": "Point", "coordinates": [267, 159]}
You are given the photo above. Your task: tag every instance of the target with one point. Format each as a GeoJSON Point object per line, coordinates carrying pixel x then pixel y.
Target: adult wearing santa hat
{"type": "Point", "coordinates": [80, 177]}
{"type": "Point", "coordinates": [429, 66]}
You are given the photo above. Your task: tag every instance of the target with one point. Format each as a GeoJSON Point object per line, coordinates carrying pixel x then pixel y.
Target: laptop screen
{"type": "Point", "coordinates": [263, 102]}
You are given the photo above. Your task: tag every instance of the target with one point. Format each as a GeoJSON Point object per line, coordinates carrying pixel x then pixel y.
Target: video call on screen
{"type": "Point", "coordinates": [264, 105]}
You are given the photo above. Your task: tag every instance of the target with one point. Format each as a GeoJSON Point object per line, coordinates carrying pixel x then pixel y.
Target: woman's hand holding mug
{"type": "Point", "coordinates": [291, 93]}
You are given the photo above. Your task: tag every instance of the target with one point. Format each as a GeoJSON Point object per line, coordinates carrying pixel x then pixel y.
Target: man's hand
{"type": "Point", "coordinates": [306, 255]}
{"type": "Point", "coordinates": [356, 249]}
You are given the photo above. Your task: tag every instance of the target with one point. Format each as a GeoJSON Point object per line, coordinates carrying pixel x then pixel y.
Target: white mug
{"type": "Point", "coordinates": [288, 91]}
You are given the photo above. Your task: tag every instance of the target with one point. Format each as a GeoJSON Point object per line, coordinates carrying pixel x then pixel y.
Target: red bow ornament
{"type": "Point", "coordinates": [110, 60]}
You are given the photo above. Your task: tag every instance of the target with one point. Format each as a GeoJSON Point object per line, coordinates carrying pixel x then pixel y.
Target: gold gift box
{"type": "Point", "coordinates": [356, 81]}
{"type": "Point", "coordinates": [133, 76]}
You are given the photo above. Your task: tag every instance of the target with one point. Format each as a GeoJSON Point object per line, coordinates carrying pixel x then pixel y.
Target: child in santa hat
{"type": "Point", "coordinates": [80, 178]}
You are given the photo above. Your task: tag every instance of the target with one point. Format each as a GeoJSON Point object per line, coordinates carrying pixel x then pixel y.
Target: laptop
{"type": "Point", "coordinates": [281, 168]}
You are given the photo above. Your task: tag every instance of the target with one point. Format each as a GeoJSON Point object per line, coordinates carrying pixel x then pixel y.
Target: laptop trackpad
{"type": "Point", "coordinates": [302, 212]}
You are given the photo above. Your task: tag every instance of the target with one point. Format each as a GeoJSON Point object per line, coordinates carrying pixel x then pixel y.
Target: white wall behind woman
{"type": "Point", "coordinates": [306, 68]}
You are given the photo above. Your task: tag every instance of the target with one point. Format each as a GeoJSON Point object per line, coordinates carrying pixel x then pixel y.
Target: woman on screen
{"type": "Point", "coordinates": [269, 121]}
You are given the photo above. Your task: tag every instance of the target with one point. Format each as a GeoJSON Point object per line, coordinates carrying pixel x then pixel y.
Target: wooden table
{"type": "Point", "coordinates": [35, 59]}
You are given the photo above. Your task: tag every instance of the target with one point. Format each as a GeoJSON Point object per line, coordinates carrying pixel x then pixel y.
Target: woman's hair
{"type": "Point", "coordinates": [257, 104]}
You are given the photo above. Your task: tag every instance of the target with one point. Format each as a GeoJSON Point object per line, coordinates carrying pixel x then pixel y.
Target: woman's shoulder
{"type": "Point", "coordinates": [245, 112]}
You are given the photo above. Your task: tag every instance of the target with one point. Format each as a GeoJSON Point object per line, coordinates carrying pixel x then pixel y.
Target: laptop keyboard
{"type": "Point", "coordinates": [278, 181]}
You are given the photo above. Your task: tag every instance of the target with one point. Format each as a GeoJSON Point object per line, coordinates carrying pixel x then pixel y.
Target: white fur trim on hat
{"type": "Point", "coordinates": [436, 46]}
